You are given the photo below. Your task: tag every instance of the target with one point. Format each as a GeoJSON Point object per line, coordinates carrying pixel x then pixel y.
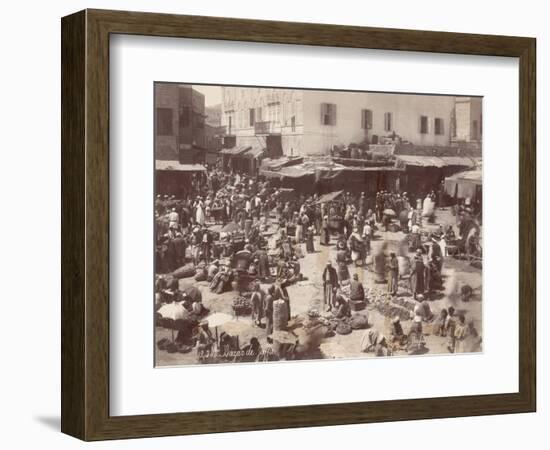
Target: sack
{"type": "Point", "coordinates": [184, 271]}
{"type": "Point", "coordinates": [359, 322]}
{"type": "Point", "coordinates": [343, 328]}
{"type": "Point", "coordinates": [201, 275]}
{"type": "Point", "coordinates": [163, 343]}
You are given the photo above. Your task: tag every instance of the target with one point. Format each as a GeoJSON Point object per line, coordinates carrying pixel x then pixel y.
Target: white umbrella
{"type": "Point", "coordinates": [172, 311]}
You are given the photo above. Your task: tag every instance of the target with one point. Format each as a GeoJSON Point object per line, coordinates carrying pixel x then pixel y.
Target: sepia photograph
{"type": "Point", "coordinates": [295, 224]}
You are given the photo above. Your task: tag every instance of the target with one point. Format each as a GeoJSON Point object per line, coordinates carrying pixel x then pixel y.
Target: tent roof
{"type": "Point", "coordinates": [237, 150]}
{"type": "Point", "coordinates": [468, 175]}
{"type": "Point", "coordinates": [434, 161]}
{"type": "Point", "coordinates": [176, 166]}
{"type": "Point", "coordinates": [254, 152]}
{"type": "Point", "coordinates": [325, 198]}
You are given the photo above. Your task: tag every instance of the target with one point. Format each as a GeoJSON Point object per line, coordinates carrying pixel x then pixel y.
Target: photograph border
{"type": "Point", "coordinates": [85, 223]}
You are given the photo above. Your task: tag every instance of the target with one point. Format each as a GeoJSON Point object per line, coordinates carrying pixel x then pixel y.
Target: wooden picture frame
{"type": "Point", "coordinates": [85, 224]}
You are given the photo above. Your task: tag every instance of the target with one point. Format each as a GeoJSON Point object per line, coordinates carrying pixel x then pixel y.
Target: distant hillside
{"type": "Point", "coordinates": [214, 115]}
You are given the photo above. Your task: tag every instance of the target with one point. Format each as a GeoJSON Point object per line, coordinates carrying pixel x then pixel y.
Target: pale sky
{"type": "Point", "coordinates": [212, 94]}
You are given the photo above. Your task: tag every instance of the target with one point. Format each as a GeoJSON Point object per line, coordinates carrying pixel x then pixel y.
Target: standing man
{"type": "Point", "coordinates": [330, 281]}
{"type": "Point", "coordinates": [393, 275]}
{"type": "Point", "coordinates": [417, 275]}
{"type": "Point", "coordinates": [174, 219]}
{"type": "Point", "coordinates": [257, 305]}
{"type": "Point", "coordinates": [268, 309]}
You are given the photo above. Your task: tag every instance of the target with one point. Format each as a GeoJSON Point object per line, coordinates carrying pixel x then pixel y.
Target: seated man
{"type": "Point", "coordinates": [373, 341]}
{"type": "Point", "coordinates": [342, 306]}
{"type": "Point", "coordinates": [357, 292]}
{"type": "Point", "coordinates": [397, 335]}
{"type": "Point", "coordinates": [205, 340]}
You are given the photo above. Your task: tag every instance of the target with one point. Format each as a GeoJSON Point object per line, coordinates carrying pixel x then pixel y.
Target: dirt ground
{"type": "Point", "coordinates": [308, 294]}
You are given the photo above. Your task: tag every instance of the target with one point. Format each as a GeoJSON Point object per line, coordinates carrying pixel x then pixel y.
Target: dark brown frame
{"type": "Point", "coordinates": [85, 224]}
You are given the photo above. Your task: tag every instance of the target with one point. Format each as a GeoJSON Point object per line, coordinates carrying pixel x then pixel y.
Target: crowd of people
{"type": "Point", "coordinates": [239, 232]}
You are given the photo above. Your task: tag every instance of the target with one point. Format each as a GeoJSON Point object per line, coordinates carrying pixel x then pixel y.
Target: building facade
{"type": "Point", "coordinates": [179, 124]}
{"type": "Point", "coordinates": [467, 125]}
{"type": "Point", "coordinates": [312, 122]}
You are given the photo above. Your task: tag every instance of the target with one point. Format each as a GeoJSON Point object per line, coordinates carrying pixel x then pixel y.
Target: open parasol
{"type": "Point", "coordinates": [172, 312]}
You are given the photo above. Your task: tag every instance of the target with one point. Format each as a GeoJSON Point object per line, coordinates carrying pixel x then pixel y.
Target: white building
{"type": "Point", "coordinates": [311, 122]}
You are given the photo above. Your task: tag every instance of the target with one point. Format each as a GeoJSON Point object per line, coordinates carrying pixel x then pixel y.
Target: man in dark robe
{"type": "Point", "coordinates": [417, 275]}
{"type": "Point", "coordinates": [330, 281]}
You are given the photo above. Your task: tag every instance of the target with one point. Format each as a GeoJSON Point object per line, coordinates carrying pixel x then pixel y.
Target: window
{"type": "Point", "coordinates": [164, 122]}
{"type": "Point", "coordinates": [474, 130]}
{"type": "Point", "coordinates": [388, 121]}
{"type": "Point", "coordinates": [366, 119]}
{"type": "Point", "coordinates": [423, 124]}
{"type": "Point", "coordinates": [328, 114]}
{"type": "Point", "coordinates": [293, 123]}
{"type": "Point", "coordinates": [438, 125]}
{"type": "Point", "coordinates": [252, 117]}
{"type": "Point", "coordinates": [185, 117]}
{"type": "Point", "coordinates": [229, 124]}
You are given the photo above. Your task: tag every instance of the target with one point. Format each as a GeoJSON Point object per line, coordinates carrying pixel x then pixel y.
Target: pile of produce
{"type": "Point", "coordinates": [242, 306]}
{"type": "Point", "coordinates": [390, 306]}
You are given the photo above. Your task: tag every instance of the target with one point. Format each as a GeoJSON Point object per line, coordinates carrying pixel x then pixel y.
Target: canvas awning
{"type": "Point", "coordinates": [289, 172]}
{"type": "Point", "coordinates": [331, 196]}
{"type": "Point", "coordinates": [176, 166]}
{"type": "Point", "coordinates": [254, 152]}
{"type": "Point", "coordinates": [434, 161]}
{"type": "Point", "coordinates": [463, 184]}
{"type": "Point", "coordinates": [234, 151]}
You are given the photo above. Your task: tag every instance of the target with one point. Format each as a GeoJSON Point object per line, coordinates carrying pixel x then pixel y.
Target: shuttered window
{"type": "Point", "coordinates": [328, 114]}
{"type": "Point", "coordinates": [388, 121]}
{"type": "Point", "coordinates": [438, 126]}
{"type": "Point", "coordinates": [366, 119]}
{"type": "Point", "coordinates": [252, 117]}
{"type": "Point", "coordinates": [423, 124]}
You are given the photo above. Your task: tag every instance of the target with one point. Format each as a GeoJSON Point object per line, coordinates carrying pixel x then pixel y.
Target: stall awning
{"type": "Point", "coordinates": [254, 152]}
{"type": "Point", "coordinates": [434, 161]}
{"type": "Point", "coordinates": [177, 167]}
{"type": "Point", "coordinates": [234, 151]}
{"type": "Point", "coordinates": [463, 184]}
{"type": "Point", "coordinates": [331, 196]}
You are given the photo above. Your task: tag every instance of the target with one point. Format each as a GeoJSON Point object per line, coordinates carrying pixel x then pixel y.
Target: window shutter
{"type": "Point", "coordinates": [333, 115]}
